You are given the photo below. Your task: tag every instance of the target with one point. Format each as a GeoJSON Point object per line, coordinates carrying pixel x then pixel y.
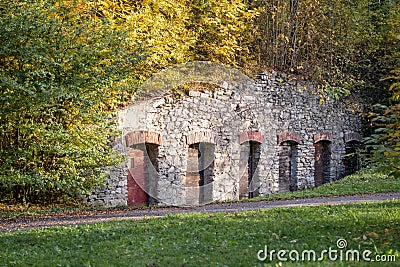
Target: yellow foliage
{"type": "Point", "coordinates": [178, 31]}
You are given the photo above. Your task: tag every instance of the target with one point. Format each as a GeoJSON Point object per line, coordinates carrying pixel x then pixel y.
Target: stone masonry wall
{"type": "Point", "coordinates": [114, 192]}
{"type": "Point", "coordinates": [274, 108]}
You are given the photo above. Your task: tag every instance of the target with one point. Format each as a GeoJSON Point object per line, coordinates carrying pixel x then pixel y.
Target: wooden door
{"type": "Point", "coordinates": [137, 195]}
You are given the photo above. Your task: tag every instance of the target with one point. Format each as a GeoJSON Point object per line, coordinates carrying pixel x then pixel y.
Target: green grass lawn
{"type": "Point", "coordinates": [213, 239]}
{"type": "Point", "coordinates": [364, 182]}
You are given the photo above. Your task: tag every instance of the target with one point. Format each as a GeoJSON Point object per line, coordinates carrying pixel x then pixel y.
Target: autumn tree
{"type": "Point", "coordinates": [223, 31]}
{"type": "Point", "coordinates": [58, 67]}
{"type": "Point", "coordinates": [341, 45]}
{"type": "Point", "coordinates": [178, 31]}
{"type": "Point", "coordinates": [344, 46]}
{"type": "Point", "coordinates": [383, 145]}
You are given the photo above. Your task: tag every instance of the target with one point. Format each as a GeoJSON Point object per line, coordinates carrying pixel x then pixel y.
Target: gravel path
{"type": "Point", "coordinates": [23, 224]}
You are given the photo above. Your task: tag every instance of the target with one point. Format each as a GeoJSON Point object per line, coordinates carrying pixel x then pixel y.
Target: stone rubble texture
{"type": "Point", "coordinates": [274, 106]}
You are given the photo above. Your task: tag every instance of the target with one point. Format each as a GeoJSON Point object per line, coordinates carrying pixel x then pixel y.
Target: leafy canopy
{"type": "Point", "coordinates": [59, 64]}
{"type": "Point", "coordinates": [384, 143]}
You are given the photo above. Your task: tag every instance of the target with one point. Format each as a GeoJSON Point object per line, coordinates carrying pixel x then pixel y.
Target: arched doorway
{"type": "Point", "coordinates": [287, 152]}
{"type": "Point", "coordinates": [287, 166]}
{"type": "Point", "coordinates": [250, 152]}
{"type": "Point", "coordinates": [200, 168]}
{"type": "Point", "coordinates": [322, 158]}
{"type": "Point", "coordinates": [200, 173]}
{"type": "Point", "coordinates": [351, 160]}
{"type": "Point", "coordinates": [143, 167]}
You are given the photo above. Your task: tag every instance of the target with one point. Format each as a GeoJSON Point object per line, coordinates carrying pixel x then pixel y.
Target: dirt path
{"type": "Point", "coordinates": [23, 224]}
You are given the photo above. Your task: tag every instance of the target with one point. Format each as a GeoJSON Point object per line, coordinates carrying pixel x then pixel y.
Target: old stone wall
{"type": "Point", "coordinates": [114, 192]}
{"type": "Point", "coordinates": [272, 112]}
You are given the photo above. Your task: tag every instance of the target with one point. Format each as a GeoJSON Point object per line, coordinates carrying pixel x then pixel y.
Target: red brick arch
{"type": "Point", "coordinates": [322, 137]}
{"type": "Point", "coordinates": [201, 137]}
{"type": "Point", "coordinates": [289, 136]}
{"type": "Point", "coordinates": [141, 137]}
{"type": "Point", "coordinates": [251, 136]}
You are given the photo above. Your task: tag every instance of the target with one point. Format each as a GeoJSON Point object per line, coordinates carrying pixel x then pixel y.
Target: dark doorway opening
{"type": "Point", "coordinates": [322, 162]}
{"type": "Point", "coordinates": [200, 173]}
{"type": "Point", "coordinates": [288, 166]}
{"type": "Point", "coordinates": [249, 158]}
{"type": "Point", "coordinates": [351, 160]}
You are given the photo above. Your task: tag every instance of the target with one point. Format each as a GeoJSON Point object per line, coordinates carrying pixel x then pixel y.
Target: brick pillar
{"type": "Point", "coordinates": [192, 177]}
{"type": "Point", "coordinates": [137, 179]}
{"type": "Point", "coordinates": [243, 162]}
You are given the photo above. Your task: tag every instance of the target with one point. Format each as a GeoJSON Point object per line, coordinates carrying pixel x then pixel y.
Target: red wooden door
{"type": "Point", "coordinates": [137, 179]}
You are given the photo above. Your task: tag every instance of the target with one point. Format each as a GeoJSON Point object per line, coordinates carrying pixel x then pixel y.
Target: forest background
{"type": "Point", "coordinates": [66, 67]}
